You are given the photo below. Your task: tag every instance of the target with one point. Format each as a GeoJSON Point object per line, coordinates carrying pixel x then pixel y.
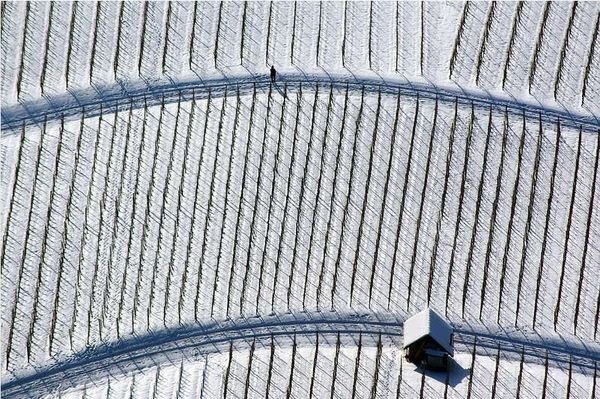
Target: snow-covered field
{"type": "Point", "coordinates": [173, 225]}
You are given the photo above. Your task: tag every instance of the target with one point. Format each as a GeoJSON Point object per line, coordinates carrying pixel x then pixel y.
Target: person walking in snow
{"type": "Point", "coordinates": [273, 74]}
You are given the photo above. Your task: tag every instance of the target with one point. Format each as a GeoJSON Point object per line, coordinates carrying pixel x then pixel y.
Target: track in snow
{"type": "Point", "coordinates": [171, 346]}
{"type": "Point", "coordinates": [137, 94]}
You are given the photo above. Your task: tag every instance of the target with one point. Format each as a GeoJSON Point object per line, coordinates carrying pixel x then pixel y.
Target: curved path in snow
{"type": "Point", "coordinates": [171, 346]}
{"type": "Point", "coordinates": [139, 93]}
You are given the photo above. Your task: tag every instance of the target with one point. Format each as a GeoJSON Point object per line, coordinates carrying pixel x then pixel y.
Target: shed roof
{"type": "Point", "coordinates": [428, 323]}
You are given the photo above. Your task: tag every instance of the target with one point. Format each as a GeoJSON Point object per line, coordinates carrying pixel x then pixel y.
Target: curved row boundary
{"type": "Point", "coordinates": [174, 345]}
{"type": "Point", "coordinates": [140, 93]}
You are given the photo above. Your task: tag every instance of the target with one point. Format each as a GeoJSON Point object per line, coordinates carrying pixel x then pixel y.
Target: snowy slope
{"type": "Point", "coordinates": [153, 183]}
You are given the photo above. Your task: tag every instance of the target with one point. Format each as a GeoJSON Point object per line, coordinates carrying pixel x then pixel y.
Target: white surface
{"type": "Point", "coordinates": [129, 223]}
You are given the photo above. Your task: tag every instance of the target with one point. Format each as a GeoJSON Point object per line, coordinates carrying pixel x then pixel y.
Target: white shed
{"type": "Point", "coordinates": [428, 339]}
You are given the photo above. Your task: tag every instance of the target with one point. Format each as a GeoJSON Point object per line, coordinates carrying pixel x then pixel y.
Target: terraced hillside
{"type": "Point", "coordinates": [176, 225]}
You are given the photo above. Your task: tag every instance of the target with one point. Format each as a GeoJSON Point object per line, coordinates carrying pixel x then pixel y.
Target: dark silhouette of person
{"type": "Point", "coordinates": [273, 74]}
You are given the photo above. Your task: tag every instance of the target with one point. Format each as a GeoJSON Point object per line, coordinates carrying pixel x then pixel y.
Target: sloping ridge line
{"type": "Point", "coordinates": [163, 346]}
{"type": "Point", "coordinates": [97, 100]}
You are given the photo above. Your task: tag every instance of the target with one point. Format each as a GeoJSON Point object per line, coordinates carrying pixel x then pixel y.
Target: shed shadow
{"type": "Point", "coordinates": [451, 377]}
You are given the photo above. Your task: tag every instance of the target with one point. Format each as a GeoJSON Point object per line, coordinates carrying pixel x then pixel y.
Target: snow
{"type": "Point", "coordinates": [230, 237]}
